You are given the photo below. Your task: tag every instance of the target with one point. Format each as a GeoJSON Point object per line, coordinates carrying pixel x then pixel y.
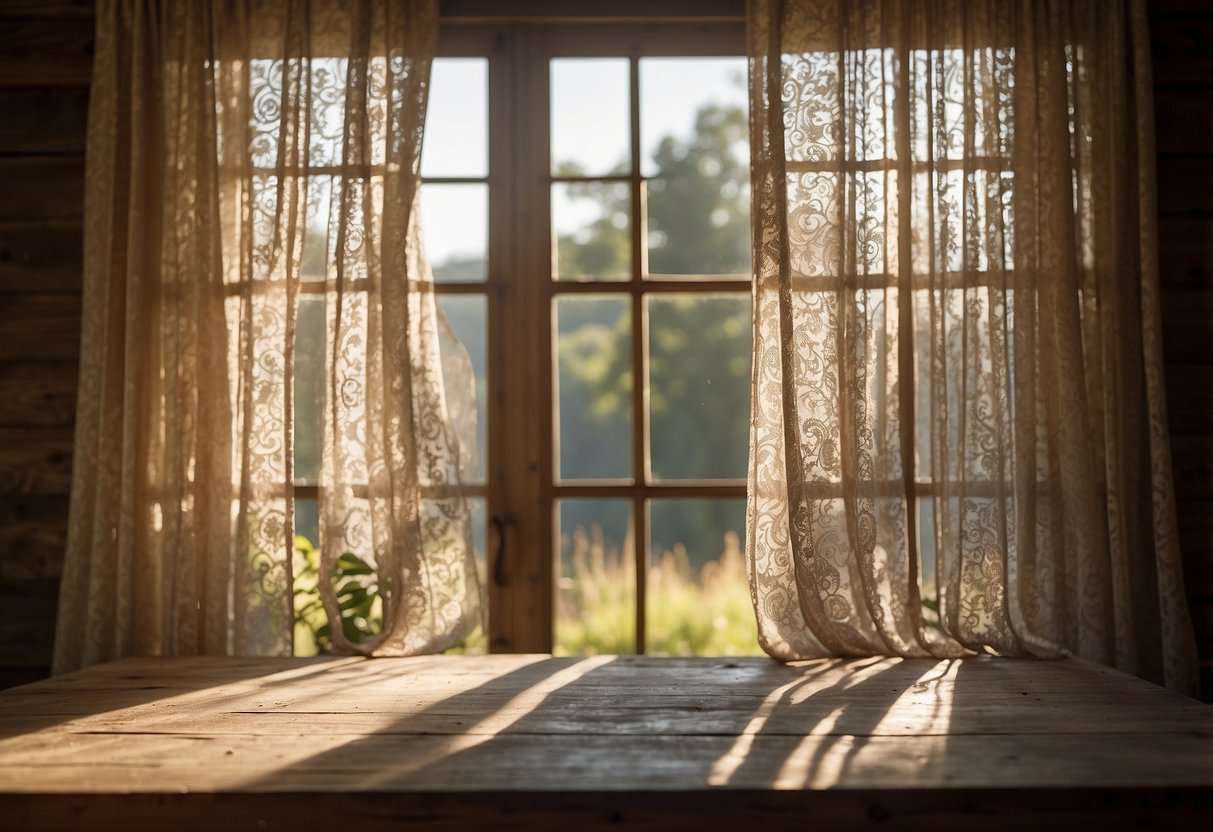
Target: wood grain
{"type": "Point", "coordinates": [40, 328]}
{"type": "Point", "coordinates": [41, 394]}
{"type": "Point", "coordinates": [35, 461]}
{"type": "Point", "coordinates": [1159, 8]}
{"type": "Point", "coordinates": [1186, 116]}
{"type": "Point", "coordinates": [1182, 48]}
{"type": "Point", "coordinates": [42, 187]}
{"type": "Point", "coordinates": [1188, 183]}
{"type": "Point", "coordinates": [27, 628]}
{"type": "Point", "coordinates": [47, 8]}
{"type": "Point", "coordinates": [41, 257]}
{"type": "Point", "coordinates": [33, 536]}
{"type": "Point", "coordinates": [406, 732]}
{"type": "Point", "coordinates": [42, 120]}
{"type": "Point", "coordinates": [1190, 398]}
{"type": "Point", "coordinates": [990, 810]}
{"type": "Point", "coordinates": [11, 677]}
{"type": "Point", "coordinates": [51, 50]}
{"type": "Point", "coordinates": [1186, 314]}
{"type": "Point", "coordinates": [1192, 463]}
{"type": "Point", "coordinates": [1185, 252]}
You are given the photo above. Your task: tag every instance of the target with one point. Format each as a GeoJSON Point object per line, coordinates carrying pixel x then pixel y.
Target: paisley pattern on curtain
{"type": "Point", "coordinates": [959, 438]}
{"type": "Point", "coordinates": [245, 156]}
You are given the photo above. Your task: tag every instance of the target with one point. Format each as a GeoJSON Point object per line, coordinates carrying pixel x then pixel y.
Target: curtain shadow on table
{"type": "Point", "coordinates": [119, 693]}
{"type": "Point", "coordinates": [601, 723]}
{"type": "Point", "coordinates": [811, 735]}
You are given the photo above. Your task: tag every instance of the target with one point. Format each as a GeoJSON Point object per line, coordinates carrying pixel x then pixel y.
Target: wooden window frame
{"type": "Point", "coordinates": [521, 487]}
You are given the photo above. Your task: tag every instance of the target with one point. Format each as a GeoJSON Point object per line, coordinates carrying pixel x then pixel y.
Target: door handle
{"type": "Point", "coordinates": [498, 522]}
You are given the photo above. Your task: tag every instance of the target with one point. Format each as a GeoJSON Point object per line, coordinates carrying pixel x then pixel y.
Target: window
{"type": "Point", "coordinates": [585, 206]}
{"type": "Point", "coordinates": [650, 384]}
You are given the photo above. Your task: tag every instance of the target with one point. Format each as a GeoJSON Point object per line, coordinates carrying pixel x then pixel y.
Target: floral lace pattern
{"type": "Point", "coordinates": [958, 437]}
{"type": "Point", "coordinates": [238, 151]}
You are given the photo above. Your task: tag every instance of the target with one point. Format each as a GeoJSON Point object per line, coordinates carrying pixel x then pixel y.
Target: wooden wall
{"type": "Point", "coordinates": [1182, 42]}
{"type": "Point", "coordinates": [45, 50]}
{"type": "Point", "coordinates": [45, 61]}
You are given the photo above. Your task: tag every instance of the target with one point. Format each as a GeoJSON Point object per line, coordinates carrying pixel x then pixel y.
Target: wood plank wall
{"type": "Point", "coordinates": [45, 58]}
{"type": "Point", "coordinates": [45, 61]}
{"type": "Point", "coordinates": [1182, 42]}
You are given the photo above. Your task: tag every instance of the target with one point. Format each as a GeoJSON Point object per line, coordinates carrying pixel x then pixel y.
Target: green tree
{"type": "Point", "coordinates": [698, 201]}
{"type": "Point", "coordinates": [699, 361]}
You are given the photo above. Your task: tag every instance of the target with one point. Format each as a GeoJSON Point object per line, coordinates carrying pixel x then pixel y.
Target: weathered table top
{"type": "Point", "coordinates": [539, 742]}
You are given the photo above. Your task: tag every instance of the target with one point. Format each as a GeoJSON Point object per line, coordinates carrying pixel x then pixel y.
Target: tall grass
{"type": "Point", "coordinates": [705, 612]}
{"type": "Point", "coordinates": [688, 612]}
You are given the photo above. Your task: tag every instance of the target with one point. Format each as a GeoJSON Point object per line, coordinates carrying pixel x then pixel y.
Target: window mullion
{"type": "Point", "coordinates": [519, 574]}
{"type": "Point", "coordinates": [640, 392]}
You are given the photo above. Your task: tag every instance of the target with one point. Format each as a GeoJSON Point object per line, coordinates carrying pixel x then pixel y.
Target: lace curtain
{"type": "Point", "coordinates": [959, 439]}
{"type": "Point", "coordinates": [246, 159]}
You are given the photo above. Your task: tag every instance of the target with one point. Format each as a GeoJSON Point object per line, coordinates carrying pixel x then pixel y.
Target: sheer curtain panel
{"type": "Point", "coordinates": [959, 439]}
{"type": "Point", "coordinates": [243, 158]}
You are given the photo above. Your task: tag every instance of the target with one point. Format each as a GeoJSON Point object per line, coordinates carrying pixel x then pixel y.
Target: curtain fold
{"type": "Point", "coordinates": [252, 266]}
{"type": "Point", "coordinates": [959, 437]}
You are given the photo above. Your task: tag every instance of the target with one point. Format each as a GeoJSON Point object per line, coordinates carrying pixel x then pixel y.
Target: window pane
{"type": "Point", "coordinates": [927, 585]}
{"type": "Point", "coordinates": [314, 266]}
{"type": "Point", "coordinates": [310, 618]}
{"type": "Point", "coordinates": [307, 519]}
{"type": "Point", "coordinates": [595, 578]}
{"type": "Point", "coordinates": [455, 225]}
{"type": "Point", "coordinates": [695, 137]}
{"type": "Point", "coordinates": [467, 316]}
{"type": "Point", "coordinates": [591, 115]}
{"type": "Point", "coordinates": [309, 387]}
{"type": "Point", "coordinates": [456, 119]}
{"type": "Point", "coordinates": [594, 386]}
{"type": "Point", "coordinates": [699, 386]}
{"type": "Point", "coordinates": [591, 222]}
{"type": "Point", "coordinates": [478, 641]}
{"type": "Point", "coordinates": [698, 596]}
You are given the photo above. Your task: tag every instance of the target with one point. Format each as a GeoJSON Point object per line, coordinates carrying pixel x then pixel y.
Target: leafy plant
{"type": "Point", "coordinates": [358, 598]}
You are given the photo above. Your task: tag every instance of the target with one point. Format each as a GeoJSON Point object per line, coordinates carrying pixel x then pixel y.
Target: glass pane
{"type": "Point", "coordinates": [455, 225]}
{"type": "Point", "coordinates": [467, 316]}
{"type": "Point", "coordinates": [591, 115]}
{"type": "Point", "coordinates": [698, 596]}
{"type": "Point", "coordinates": [480, 534]}
{"type": "Point", "coordinates": [310, 618]}
{"type": "Point", "coordinates": [694, 131]}
{"type": "Point", "coordinates": [478, 641]}
{"type": "Point", "coordinates": [309, 387]}
{"type": "Point", "coordinates": [307, 519]}
{"type": "Point", "coordinates": [927, 307]}
{"type": "Point", "coordinates": [699, 386]}
{"type": "Point", "coordinates": [456, 119]}
{"type": "Point", "coordinates": [594, 386]}
{"type": "Point", "coordinates": [591, 222]}
{"type": "Point", "coordinates": [314, 266]}
{"type": "Point", "coordinates": [595, 578]}
{"type": "Point", "coordinates": [927, 584]}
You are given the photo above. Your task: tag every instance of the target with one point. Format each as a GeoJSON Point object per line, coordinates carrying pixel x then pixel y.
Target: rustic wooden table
{"type": "Point", "coordinates": [533, 742]}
